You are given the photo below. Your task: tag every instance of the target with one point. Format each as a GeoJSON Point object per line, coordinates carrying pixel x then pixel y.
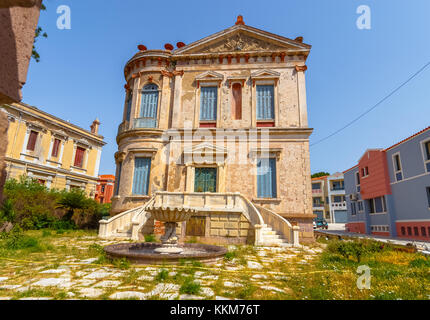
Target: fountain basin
{"type": "Point", "coordinates": [144, 253]}
{"type": "Point", "coordinates": [171, 214]}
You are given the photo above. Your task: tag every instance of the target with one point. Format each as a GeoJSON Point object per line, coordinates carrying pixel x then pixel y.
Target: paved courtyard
{"type": "Point", "coordinates": [74, 271]}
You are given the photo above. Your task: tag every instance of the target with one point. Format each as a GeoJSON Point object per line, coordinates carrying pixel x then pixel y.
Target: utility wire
{"type": "Point", "coordinates": [374, 106]}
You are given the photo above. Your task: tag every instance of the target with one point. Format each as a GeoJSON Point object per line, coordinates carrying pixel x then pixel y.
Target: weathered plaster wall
{"type": "Point", "coordinates": [18, 20]}
{"type": "Point", "coordinates": [4, 123]}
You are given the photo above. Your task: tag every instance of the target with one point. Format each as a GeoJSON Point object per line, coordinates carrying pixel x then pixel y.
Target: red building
{"type": "Point", "coordinates": [104, 189]}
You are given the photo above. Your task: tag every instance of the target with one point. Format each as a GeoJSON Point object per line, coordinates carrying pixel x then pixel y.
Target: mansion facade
{"type": "Point", "coordinates": [219, 125]}
{"type": "Point", "coordinates": [52, 151]}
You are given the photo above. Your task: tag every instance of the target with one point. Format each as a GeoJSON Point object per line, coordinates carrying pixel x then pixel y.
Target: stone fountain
{"type": "Point", "coordinates": [169, 250]}
{"type": "Point", "coordinates": [170, 216]}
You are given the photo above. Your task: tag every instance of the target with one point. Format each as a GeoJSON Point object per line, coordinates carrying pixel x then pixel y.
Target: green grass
{"type": "Point", "coordinates": [190, 286]}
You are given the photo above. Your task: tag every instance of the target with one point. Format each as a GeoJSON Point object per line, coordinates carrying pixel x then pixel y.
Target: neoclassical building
{"type": "Point", "coordinates": [219, 125]}
{"type": "Point", "coordinates": [55, 152]}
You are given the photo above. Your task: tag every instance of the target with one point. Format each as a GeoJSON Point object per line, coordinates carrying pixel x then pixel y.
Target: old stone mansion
{"type": "Point", "coordinates": [218, 125]}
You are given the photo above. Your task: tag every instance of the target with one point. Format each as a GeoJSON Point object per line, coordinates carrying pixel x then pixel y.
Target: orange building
{"type": "Point", "coordinates": [104, 190]}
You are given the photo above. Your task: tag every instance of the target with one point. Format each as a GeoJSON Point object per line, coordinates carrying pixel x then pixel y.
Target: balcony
{"type": "Point", "coordinates": [144, 123]}
{"type": "Point", "coordinates": [339, 205]}
{"type": "Point", "coordinates": [317, 190]}
{"type": "Point", "coordinates": [337, 188]}
{"type": "Point", "coordinates": [140, 123]}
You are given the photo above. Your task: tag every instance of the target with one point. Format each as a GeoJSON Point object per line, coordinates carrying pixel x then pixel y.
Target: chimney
{"type": "Point", "coordinates": [95, 126]}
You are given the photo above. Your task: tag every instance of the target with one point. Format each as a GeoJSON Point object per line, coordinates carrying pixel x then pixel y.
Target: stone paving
{"type": "Point", "coordinates": [74, 276]}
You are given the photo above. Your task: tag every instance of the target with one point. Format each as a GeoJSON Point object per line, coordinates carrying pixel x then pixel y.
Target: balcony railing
{"type": "Point", "coordinates": [139, 123]}
{"type": "Point", "coordinates": [339, 204]}
{"type": "Point", "coordinates": [337, 188]}
{"type": "Point", "coordinates": [145, 123]}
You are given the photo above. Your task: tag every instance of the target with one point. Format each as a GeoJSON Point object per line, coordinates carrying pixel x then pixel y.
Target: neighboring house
{"type": "Point", "coordinates": [104, 190]}
{"type": "Point", "coordinates": [388, 192]}
{"type": "Point", "coordinates": [320, 203]}
{"type": "Point", "coordinates": [183, 107]}
{"type": "Point", "coordinates": [336, 198]}
{"type": "Point", "coordinates": [55, 152]}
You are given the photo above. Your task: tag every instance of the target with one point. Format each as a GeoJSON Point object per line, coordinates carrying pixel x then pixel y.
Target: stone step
{"type": "Point", "coordinates": [125, 235]}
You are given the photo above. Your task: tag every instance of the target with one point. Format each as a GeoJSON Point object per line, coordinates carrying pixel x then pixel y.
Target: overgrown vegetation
{"type": "Point", "coordinates": [32, 206]}
{"type": "Point", "coordinates": [190, 286]}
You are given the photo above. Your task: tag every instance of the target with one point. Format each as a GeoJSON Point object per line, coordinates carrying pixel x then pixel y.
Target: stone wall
{"type": "Point", "coordinates": [18, 20]}
{"type": "Point", "coordinates": [4, 124]}
{"type": "Point", "coordinates": [220, 228]}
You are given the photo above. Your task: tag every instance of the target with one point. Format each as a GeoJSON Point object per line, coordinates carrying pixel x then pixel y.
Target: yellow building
{"type": "Point", "coordinates": [55, 152]}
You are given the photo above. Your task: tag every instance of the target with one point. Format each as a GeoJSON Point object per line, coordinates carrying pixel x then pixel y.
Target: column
{"type": "Point", "coordinates": [301, 92]}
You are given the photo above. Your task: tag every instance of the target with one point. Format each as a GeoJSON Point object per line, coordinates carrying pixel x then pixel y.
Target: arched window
{"type": "Point", "coordinates": [237, 101]}
{"type": "Point", "coordinates": [148, 107]}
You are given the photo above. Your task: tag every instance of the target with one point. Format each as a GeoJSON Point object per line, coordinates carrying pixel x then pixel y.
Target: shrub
{"type": "Point", "coordinates": [190, 286]}
{"type": "Point", "coordinates": [150, 238]}
{"type": "Point", "coordinates": [162, 275]}
{"type": "Point", "coordinates": [16, 240]}
{"type": "Point", "coordinates": [356, 248]}
{"type": "Point", "coordinates": [420, 263]}
{"type": "Point", "coordinates": [122, 263]}
{"type": "Point", "coordinates": [33, 206]}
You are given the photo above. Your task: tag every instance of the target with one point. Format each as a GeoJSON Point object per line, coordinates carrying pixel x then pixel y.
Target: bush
{"type": "Point", "coordinates": [16, 240]}
{"type": "Point", "coordinates": [420, 263]}
{"type": "Point", "coordinates": [162, 275]}
{"type": "Point", "coordinates": [356, 249]}
{"type": "Point", "coordinates": [190, 287]}
{"type": "Point", "coordinates": [150, 238]}
{"type": "Point", "coordinates": [33, 206]}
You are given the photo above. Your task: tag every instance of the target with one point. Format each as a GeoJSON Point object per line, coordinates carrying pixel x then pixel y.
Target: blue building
{"type": "Point", "coordinates": [388, 191]}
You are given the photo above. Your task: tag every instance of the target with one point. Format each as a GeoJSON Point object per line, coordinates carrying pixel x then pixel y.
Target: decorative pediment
{"type": "Point", "coordinates": [265, 152]}
{"type": "Point", "coordinates": [204, 153]}
{"type": "Point", "coordinates": [83, 142]}
{"type": "Point", "coordinates": [205, 148]}
{"type": "Point", "coordinates": [240, 78]}
{"type": "Point", "coordinates": [242, 38]}
{"type": "Point", "coordinates": [209, 77]}
{"type": "Point", "coordinates": [265, 75]}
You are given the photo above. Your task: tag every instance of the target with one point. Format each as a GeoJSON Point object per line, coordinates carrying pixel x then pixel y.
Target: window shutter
{"type": "Point", "coordinates": [129, 100]}
{"type": "Point", "coordinates": [149, 104]}
{"type": "Point", "coordinates": [237, 101]}
{"type": "Point", "coordinates": [141, 175]}
{"type": "Point", "coordinates": [31, 145]}
{"type": "Point", "coordinates": [79, 157]}
{"type": "Point", "coordinates": [118, 178]}
{"type": "Point", "coordinates": [208, 103]}
{"type": "Point", "coordinates": [265, 102]}
{"type": "Point", "coordinates": [55, 148]}
{"type": "Point", "coordinates": [266, 178]}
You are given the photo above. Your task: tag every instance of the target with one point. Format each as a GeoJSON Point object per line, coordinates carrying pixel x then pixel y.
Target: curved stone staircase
{"type": "Point", "coordinates": [270, 228]}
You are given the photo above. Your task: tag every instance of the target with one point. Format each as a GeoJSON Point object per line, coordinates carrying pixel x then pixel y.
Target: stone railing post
{"type": "Point", "coordinates": [103, 229]}
{"type": "Point", "coordinates": [258, 234]}
{"type": "Point", "coordinates": [295, 239]}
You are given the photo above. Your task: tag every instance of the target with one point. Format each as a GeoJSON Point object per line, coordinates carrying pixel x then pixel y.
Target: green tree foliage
{"type": "Point", "coordinates": [38, 33]}
{"type": "Point", "coordinates": [320, 174]}
{"type": "Point", "coordinates": [33, 206]}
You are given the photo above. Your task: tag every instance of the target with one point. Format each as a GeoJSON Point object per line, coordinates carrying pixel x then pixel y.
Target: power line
{"type": "Point", "coordinates": [374, 106]}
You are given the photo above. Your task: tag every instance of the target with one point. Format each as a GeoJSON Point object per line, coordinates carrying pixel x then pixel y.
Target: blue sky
{"type": "Point", "coordinates": [80, 75]}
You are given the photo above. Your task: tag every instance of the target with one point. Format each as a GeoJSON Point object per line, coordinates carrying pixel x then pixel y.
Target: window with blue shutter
{"type": "Point", "coordinates": [265, 102]}
{"type": "Point", "coordinates": [266, 178]}
{"type": "Point", "coordinates": [129, 99]}
{"type": "Point", "coordinates": [148, 107]}
{"type": "Point", "coordinates": [208, 103]}
{"type": "Point", "coordinates": [142, 166]}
